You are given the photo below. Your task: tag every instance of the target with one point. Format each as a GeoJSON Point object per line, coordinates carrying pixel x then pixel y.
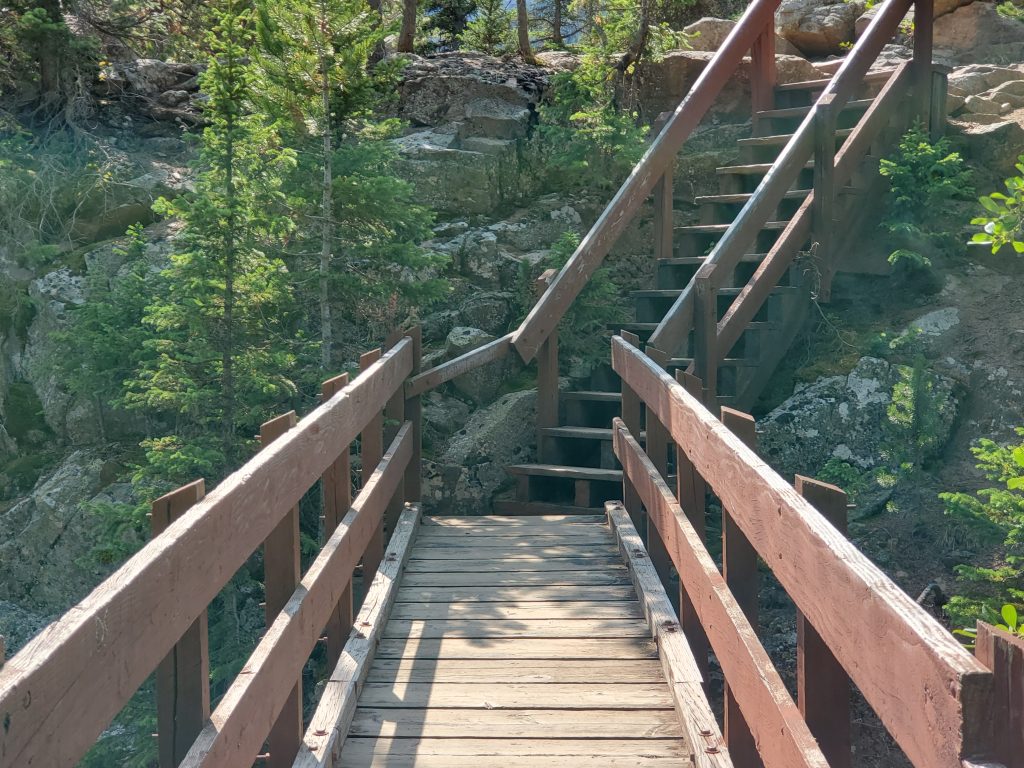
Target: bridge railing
{"type": "Point", "coordinates": [65, 687]}
{"type": "Point", "coordinates": [944, 707]}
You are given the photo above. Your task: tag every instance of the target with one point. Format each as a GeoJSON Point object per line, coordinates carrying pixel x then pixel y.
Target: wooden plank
{"type": "Point", "coordinates": [534, 508]}
{"type": "Point", "coordinates": [516, 579]}
{"type": "Point", "coordinates": [896, 653]}
{"type": "Point", "coordinates": [823, 687]}
{"type": "Point", "coordinates": [614, 220]}
{"type": "Point", "coordinates": [763, 74]}
{"type": "Point", "coordinates": [533, 544]}
{"type": "Point", "coordinates": [516, 724]}
{"type": "Point", "coordinates": [657, 449]}
{"type": "Point", "coordinates": [684, 677]}
{"type": "Point", "coordinates": [336, 487]}
{"type": "Point", "coordinates": [516, 753]}
{"type": "Point", "coordinates": [535, 565]}
{"type": "Point", "coordinates": [371, 448]}
{"type": "Point", "coordinates": [563, 649]}
{"type": "Point", "coordinates": [631, 414]}
{"type": "Point", "coordinates": [823, 213]}
{"type": "Point", "coordinates": [475, 358]}
{"type": "Point", "coordinates": [83, 668]}
{"type": "Point", "coordinates": [509, 554]}
{"type": "Point", "coordinates": [663, 225]}
{"type": "Point", "coordinates": [782, 737]}
{"type": "Point", "coordinates": [183, 677]}
{"type": "Point", "coordinates": [1003, 653]}
{"type": "Point", "coordinates": [512, 594]}
{"type": "Point", "coordinates": [519, 696]}
{"type": "Point", "coordinates": [282, 570]}
{"type": "Point", "coordinates": [494, 535]}
{"type": "Point", "coordinates": [532, 628]}
{"type": "Point", "coordinates": [739, 567]}
{"type": "Point", "coordinates": [555, 522]}
{"type": "Point", "coordinates": [329, 723]}
{"type": "Point", "coordinates": [394, 417]}
{"type": "Point", "coordinates": [414, 413]}
{"type": "Point", "coordinates": [581, 609]}
{"type": "Point", "coordinates": [241, 721]}
{"type": "Point", "coordinates": [500, 671]}
{"type": "Point", "coordinates": [921, 64]}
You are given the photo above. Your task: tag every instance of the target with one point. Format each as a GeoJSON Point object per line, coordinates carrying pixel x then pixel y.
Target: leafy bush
{"type": "Point", "coordinates": [1003, 221]}
{"type": "Point", "coordinates": [1011, 10]}
{"type": "Point", "coordinates": [997, 514]}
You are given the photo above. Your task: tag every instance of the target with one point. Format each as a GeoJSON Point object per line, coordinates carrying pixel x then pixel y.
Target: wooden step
{"type": "Point", "coordinates": [690, 261]}
{"type": "Point", "coordinates": [729, 362]}
{"type": "Point", "coordinates": [536, 508]}
{"type": "Point", "coordinates": [593, 396]}
{"type": "Point", "coordinates": [741, 198]}
{"type": "Point", "coordinates": [671, 293]}
{"type": "Point", "coordinates": [874, 76]}
{"type": "Point", "coordinates": [781, 139]}
{"type": "Point", "coordinates": [802, 111]}
{"type": "Point", "coordinates": [720, 229]}
{"type": "Point", "coordinates": [568, 473]}
{"type": "Point", "coordinates": [638, 328]}
{"type": "Point", "coordinates": [582, 433]}
{"type": "Point", "coordinates": [754, 169]}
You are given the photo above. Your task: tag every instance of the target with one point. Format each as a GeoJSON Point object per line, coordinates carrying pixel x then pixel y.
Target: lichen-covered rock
{"type": "Point", "coordinates": [853, 419]}
{"type": "Point", "coordinates": [443, 416]}
{"type": "Point", "coordinates": [489, 310]}
{"type": "Point", "coordinates": [978, 33]}
{"type": "Point", "coordinates": [708, 34]}
{"type": "Point", "coordinates": [818, 27]}
{"type": "Point", "coordinates": [481, 384]}
{"type": "Point", "coordinates": [469, 473]}
{"type": "Point", "coordinates": [18, 626]}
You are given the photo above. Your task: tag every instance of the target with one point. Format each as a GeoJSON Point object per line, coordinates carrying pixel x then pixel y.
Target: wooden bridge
{"type": "Point", "coordinates": [585, 624]}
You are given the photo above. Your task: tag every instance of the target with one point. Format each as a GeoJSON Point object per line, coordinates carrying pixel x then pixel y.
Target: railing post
{"type": "Point", "coordinates": [1003, 653]}
{"type": "Point", "coordinates": [394, 417]}
{"type": "Point", "coordinates": [371, 451]}
{"type": "Point", "coordinates": [763, 75]}
{"type": "Point", "coordinates": [691, 491]}
{"type": "Point", "coordinates": [414, 413]}
{"type": "Point", "coordinates": [657, 449]}
{"type": "Point", "coordinates": [631, 418]}
{"type": "Point", "coordinates": [183, 677]}
{"type": "Point", "coordinates": [739, 566]}
{"type": "Point", "coordinates": [282, 570]}
{"type": "Point", "coordinates": [823, 214]}
{"type": "Point", "coordinates": [663, 220]}
{"type": "Point", "coordinates": [705, 336]}
{"type": "Point", "coordinates": [924, 24]}
{"type": "Point", "coordinates": [939, 100]}
{"type": "Point", "coordinates": [337, 498]}
{"type": "Point", "coordinates": [547, 373]}
{"type": "Point", "coordinates": [823, 687]}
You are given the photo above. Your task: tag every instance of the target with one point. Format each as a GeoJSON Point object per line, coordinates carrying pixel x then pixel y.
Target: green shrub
{"type": "Point", "coordinates": [490, 31]}
{"type": "Point", "coordinates": [1003, 221]}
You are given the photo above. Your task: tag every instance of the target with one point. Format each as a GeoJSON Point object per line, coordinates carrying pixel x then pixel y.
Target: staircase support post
{"type": "Point", "coordinates": [657, 449]}
{"type": "Point", "coordinates": [924, 25]}
{"type": "Point", "coordinates": [547, 375]}
{"type": "Point", "coordinates": [631, 418]}
{"type": "Point", "coordinates": [414, 414]}
{"type": "Point", "coordinates": [823, 214]}
{"type": "Point", "coordinates": [663, 222]}
{"type": "Point", "coordinates": [938, 104]}
{"type": "Point", "coordinates": [763, 74]}
{"type": "Point", "coordinates": [371, 441]}
{"type": "Point", "coordinates": [739, 566]}
{"type": "Point", "coordinates": [823, 687]}
{"type": "Point", "coordinates": [705, 336]}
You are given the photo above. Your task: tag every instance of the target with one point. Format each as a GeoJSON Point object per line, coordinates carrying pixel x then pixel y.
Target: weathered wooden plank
{"type": "Point", "coordinates": [371, 448]}
{"type": "Point", "coordinates": [518, 696]}
{"type": "Point", "coordinates": [533, 628]}
{"type": "Point", "coordinates": [509, 552]}
{"type": "Point", "coordinates": [516, 753]}
{"type": "Point", "coordinates": [1003, 653]}
{"type": "Point", "coordinates": [245, 714]}
{"type": "Point", "coordinates": [512, 565]}
{"type": "Point", "coordinates": [512, 594]}
{"type": "Point", "coordinates": [782, 737]}
{"type": "Point", "coordinates": [684, 677]}
{"type": "Point", "coordinates": [548, 311]}
{"type": "Point", "coordinates": [83, 668]}
{"type": "Point", "coordinates": [462, 364]}
{"type": "Point", "coordinates": [500, 671]}
{"type": "Point", "coordinates": [485, 539]}
{"type": "Point", "coordinates": [899, 656]}
{"type": "Point", "coordinates": [558, 522]}
{"type": "Point", "coordinates": [414, 413]}
{"type": "Point", "coordinates": [329, 724]}
{"type": "Point", "coordinates": [571, 534]}
{"type": "Point", "coordinates": [519, 611]}
{"type": "Point", "coordinates": [563, 649]}
{"type": "Point", "coordinates": [591, 578]}
{"type": "Point", "coordinates": [516, 724]}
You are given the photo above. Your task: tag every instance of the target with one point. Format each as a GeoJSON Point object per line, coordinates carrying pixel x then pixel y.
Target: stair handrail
{"type": "Point", "coordinates": [674, 328]}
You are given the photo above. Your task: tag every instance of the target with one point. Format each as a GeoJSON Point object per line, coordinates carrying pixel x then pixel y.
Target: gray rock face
{"type": "Point", "coordinates": [708, 34]}
{"type": "Point", "coordinates": [481, 384]}
{"type": "Point", "coordinates": [853, 418]}
{"type": "Point", "coordinates": [818, 27]}
{"type": "Point", "coordinates": [18, 626]}
{"type": "Point", "coordinates": [977, 33]}
{"type": "Point", "coordinates": [471, 471]}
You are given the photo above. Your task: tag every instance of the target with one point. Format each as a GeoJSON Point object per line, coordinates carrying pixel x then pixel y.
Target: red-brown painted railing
{"type": "Point", "coordinates": [62, 689]}
{"type": "Point", "coordinates": [944, 707]}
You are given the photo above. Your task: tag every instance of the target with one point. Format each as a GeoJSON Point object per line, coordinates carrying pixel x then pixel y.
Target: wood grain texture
{"type": "Point", "coordinates": [517, 565]}
{"type": "Point", "coordinates": [245, 714]}
{"type": "Point", "coordinates": [492, 628]}
{"type": "Point", "coordinates": [518, 696]}
{"type": "Point", "coordinates": [499, 671]}
{"type": "Point", "coordinates": [930, 693]}
{"type": "Point", "coordinates": [691, 704]}
{"type": "Point", "coordinates": [1004, 655]}
{"type": "Point", "coordinates": [475, 358]}
{"type": "Point", "coordinates": [565, 649]}
{"type": "Point", "coordinates": [782, 737]}
{"type": "Point", "coordinates": [522, 611]}
{"type": "Point", "coordinates": [512, 594]}
{"type": "Point", "coordinates": [329, 724]}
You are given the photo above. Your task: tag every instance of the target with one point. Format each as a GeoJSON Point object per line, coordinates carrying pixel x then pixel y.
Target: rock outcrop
{"type": "Point", "coordinates": [978, 33]}
{"type": "Point", "coordinates": [708, 34]}
{"type": "Point", "coordinates": [818, 27]}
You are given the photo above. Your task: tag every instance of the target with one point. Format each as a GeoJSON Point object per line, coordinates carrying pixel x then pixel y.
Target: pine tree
{"type": "Point", "coordinates": [220, 353]}
{"type": "Point", "coordinates": [490, 31]}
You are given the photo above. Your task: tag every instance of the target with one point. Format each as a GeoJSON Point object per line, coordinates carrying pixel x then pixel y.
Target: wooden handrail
{"type": "Point", "coordinates": [547, 313]}
{"type": "Point", "coordinates": [672, 331]}
{"type": "Point", "coordinates": [463, 364]}
{"type": "Point", "coordinates": [931, 694]}
{"type": "Point", "coordinates": [62, 689]}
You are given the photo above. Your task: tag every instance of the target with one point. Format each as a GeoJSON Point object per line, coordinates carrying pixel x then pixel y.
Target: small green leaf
{"type": "Point", "coordinates": [1009, 614]}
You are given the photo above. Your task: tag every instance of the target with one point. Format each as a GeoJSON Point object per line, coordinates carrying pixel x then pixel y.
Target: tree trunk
{"type": "Point", "coordinates": [48, 56]}
{"type": "Point", "coordinates": [523, 24]}
{"type": "Point", "coordinates": [556, 24]}
{"type": "Point", "coordinates": [408, 32]}
{"type": "Point", "coordinates": [327, 225]}
{"type": "Point", "coordinates": [638, 46]}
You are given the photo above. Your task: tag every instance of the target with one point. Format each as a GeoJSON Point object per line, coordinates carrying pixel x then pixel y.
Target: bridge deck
{"type": "Point", "coordinates": [516, 642]}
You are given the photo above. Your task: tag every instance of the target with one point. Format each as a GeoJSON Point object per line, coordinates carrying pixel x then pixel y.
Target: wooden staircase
{"type": "Point", "coordinates": [576, 466]}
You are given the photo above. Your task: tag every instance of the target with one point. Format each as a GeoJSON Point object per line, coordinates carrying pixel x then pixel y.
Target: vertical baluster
{"type": "Point", "coordinates": [939, 102]}
{"type": "Point", "coordinates": [823, 213]}
{"type": "Point", "coordinates": [663, 220]}
{"type": "Point", "coordinates": [763, 75]}
{"type": "Point", "coordinates": [657, 449]}
{"type": "Point", "coordinates": [823, 688]}
{"type": "Point", "coordinates": [739, 566]}
{"type": "Point", "coordinates": [547, 375]}
{"type": "Point", "coordinates": [1003, 654]}
{"type": "Point", "coordinates": [281, 573]}
{"type": "Point", "coordinates": [924, 24]}
{"type": "Point", "coordinates": [183, 677]}
{"type": "Point", "coordinates": [631, 418]}
{"type": "Point", "coordinates": [414, 413]}
{"type": "Point", "coordinates": [691, 492]}
{"type": "Point", "coordinates": [705, 336]}
{"type": "Point", "coordinates": [337, 498]}
{"type": "Point", "coordinates": [371, 451]}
